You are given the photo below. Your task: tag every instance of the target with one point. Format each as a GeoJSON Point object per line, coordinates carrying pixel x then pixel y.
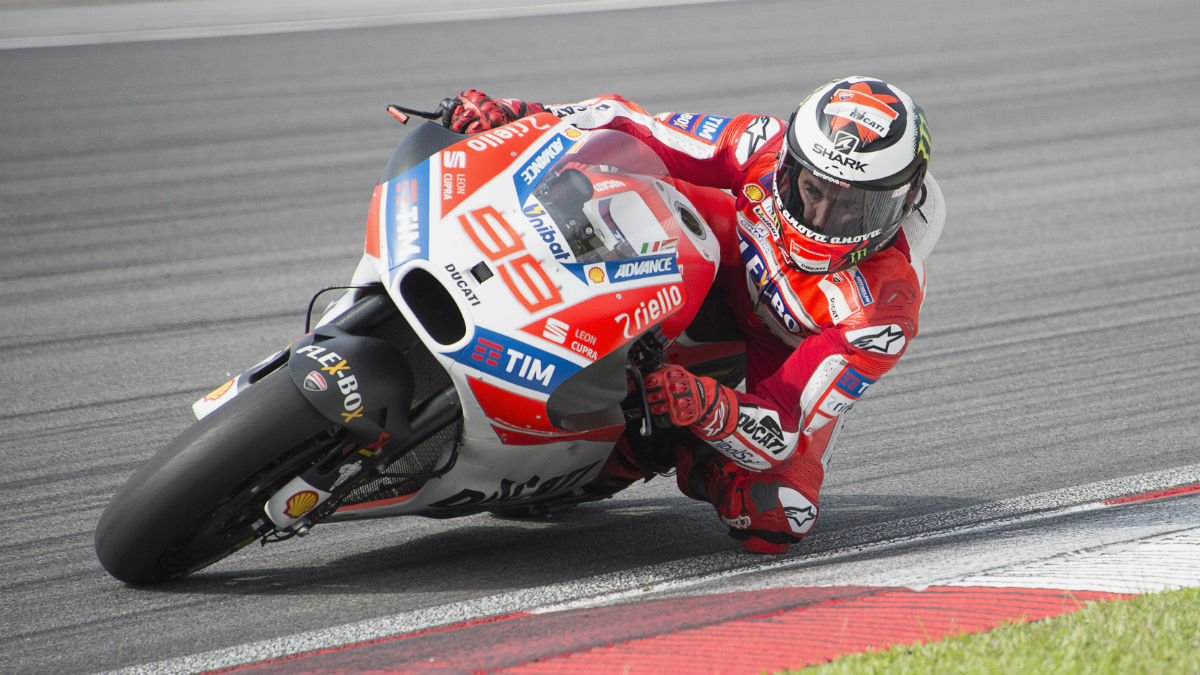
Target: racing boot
{"type": "Point", "coordinates": [633, 458]}
{"type": "Point", "coordinates": [765, 512]}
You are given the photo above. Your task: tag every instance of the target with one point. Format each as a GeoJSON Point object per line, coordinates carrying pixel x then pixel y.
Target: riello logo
{"type": "Point", "coordinates": [498, 137]}
{"type": "Point", "coordinates": [648, 312]}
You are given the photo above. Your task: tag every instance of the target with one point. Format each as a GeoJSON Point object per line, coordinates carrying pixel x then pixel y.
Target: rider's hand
{"type": "Point", "coordinates": [475, 111]}
{"type": "Point", "coordinates": [679, 398]}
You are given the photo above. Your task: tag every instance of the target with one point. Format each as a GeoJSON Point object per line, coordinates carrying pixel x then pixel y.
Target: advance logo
{"type": "Point", "coordinates": [629, 269]}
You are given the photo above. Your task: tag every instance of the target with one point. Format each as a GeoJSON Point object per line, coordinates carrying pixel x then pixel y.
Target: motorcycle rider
{"type": "Point", "coordinates": [824, 223]}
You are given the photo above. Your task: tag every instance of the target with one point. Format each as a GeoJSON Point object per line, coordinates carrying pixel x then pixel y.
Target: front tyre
{"type": "Point", "coordinates": [201, 497]}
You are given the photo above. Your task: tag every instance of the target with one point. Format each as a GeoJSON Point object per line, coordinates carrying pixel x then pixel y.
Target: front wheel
{"type": "Point", "coordinates": [201, 497]}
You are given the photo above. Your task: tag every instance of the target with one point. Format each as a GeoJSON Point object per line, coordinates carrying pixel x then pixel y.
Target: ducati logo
{"type": "Point", "coordinates": [867, 114]}
{"type": "Point", "coordinates": [314, 381]}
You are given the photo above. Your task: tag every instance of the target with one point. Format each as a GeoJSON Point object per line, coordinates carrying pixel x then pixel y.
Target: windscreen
{"type": "Point", "coordinates": [576, 191]}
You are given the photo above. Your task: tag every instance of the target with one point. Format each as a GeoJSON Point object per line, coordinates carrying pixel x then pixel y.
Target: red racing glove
{"type": "Point", "coordinates": [679, 398]}
{"type": "Point", "coordinates": [475, 111]}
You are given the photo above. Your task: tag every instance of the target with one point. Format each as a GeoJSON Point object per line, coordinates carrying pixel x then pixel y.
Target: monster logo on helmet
{"type": "Point", "coordinates": [860, 147]}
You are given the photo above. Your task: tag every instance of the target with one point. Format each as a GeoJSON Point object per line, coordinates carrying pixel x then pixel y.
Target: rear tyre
{"type": "Point", "coordinates": [201, 497]}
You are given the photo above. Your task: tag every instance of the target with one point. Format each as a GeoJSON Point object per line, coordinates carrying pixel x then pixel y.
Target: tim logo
{"type": "Point", "coordinates": [853, 383]}
{"type": "Point", "coordinates": [488, 352]}
{"type": "Point", "coordinates": [516, 362]}
{"type": "Point", "coordinates": [710, 127]}
{"type": "Point", "coordinates": [454, 159]}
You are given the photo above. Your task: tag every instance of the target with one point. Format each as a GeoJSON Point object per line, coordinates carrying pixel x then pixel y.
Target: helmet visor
{"type": "Point", "coordinates": [833, 211]}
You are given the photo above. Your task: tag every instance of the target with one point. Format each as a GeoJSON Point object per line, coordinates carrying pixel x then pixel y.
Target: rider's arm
{"type": "Point", "coordinates": [806, 392]}
{"type": "Point", "coordinates": [702, 149]}
{"type": "Point", "coordinates": [794, 401]}
{"type": "Point", "coordinates": [796, 396]}
{"type": "Point", "coordinates": [708, 150]}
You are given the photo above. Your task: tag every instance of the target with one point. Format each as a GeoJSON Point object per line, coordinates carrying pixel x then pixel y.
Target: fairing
{"type": "Point", "coordinates": [552, 250]}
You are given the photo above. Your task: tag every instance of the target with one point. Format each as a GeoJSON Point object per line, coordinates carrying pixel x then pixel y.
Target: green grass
{"type": "Point", "coordinates": [1158, 633]}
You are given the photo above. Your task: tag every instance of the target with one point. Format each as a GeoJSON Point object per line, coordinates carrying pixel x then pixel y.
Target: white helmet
{"type": "Point", "coordinates": [856, 154]}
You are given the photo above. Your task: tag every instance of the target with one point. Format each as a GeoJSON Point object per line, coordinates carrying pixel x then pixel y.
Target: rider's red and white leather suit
{"type": "Point", "coordinates": [814, 343]}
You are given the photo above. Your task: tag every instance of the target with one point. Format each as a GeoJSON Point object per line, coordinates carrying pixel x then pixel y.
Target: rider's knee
{"type": "Point", "coordinates": [768, 514]}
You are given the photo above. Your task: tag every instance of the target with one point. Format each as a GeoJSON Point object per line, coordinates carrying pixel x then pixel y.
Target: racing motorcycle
{"type": "Point", "coordinates": [515, 286]}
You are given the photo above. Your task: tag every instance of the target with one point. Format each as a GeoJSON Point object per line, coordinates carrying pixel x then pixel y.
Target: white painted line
{"type": "Point", "coordinates": [1147, 566]}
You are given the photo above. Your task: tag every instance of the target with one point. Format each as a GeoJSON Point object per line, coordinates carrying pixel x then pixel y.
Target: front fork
{"type": "Point", "coordinates": [301, 496]}
{"type": "Point", "coordinates": [362, 385]}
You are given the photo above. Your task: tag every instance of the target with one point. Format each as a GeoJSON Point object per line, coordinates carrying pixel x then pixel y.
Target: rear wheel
{"type": "Point", "coordinates": [201, 497]}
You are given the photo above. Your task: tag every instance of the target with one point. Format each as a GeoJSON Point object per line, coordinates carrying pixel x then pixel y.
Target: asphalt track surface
{"type": "Point", "coordinates": [167, 207]}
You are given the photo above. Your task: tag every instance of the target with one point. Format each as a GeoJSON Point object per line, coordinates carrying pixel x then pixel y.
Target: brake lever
{"type": "Point", "coordinates": [647, 353]}
{"type": "Point", "coordinates": [441, 113]}
{"type": "Point", "coordinates": [647, 430]}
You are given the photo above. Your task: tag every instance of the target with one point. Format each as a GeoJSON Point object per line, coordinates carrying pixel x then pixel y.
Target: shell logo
{"type": "Point", "coordinates": [753, 192]}
{"type": "Point", "coordinates": [219, 391]}
{"type": "Point", "coordinates": [596, 274]}
{"type": "Point", "coordinates": [301, 503]}
{"type": "Point", "coordinates": [572, 132]}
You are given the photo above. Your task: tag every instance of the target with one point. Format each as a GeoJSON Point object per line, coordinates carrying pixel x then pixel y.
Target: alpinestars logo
{"type": "Point", "coordinates": [718, 419]}
{"type": "Point", "coordinates": [800, 518]}
{"type": "Point", "coordinates": [800, 513]}
{"type": "Point", "coordinates": [888, 339]}
{"type": "Point", "coordinates": [756, 134]}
